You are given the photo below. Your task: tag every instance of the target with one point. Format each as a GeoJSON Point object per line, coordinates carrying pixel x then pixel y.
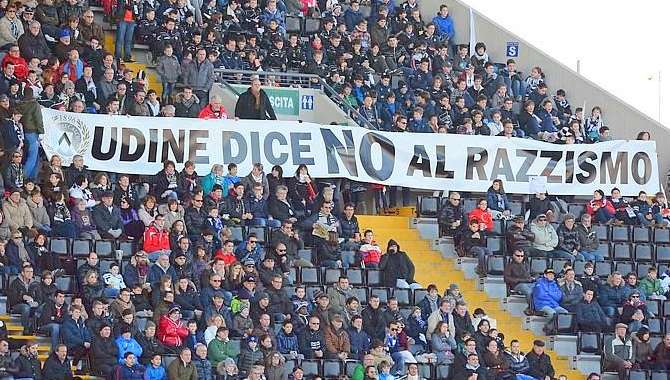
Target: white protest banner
{"type": "Point", "coordinates": [140, 145]}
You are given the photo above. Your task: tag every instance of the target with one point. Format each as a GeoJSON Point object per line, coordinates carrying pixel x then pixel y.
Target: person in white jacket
{"type": "Point", "coordinates": [546, 238]}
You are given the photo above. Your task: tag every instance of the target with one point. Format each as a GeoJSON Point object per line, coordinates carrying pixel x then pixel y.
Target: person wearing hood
{"type": "Point", "coordinates": [397, 268]}
{"type": "Point", "coordinates": [126, 343]}
{"type": "Point", "coordinates": [187, 103]}
{"type": "Point", "coordinates": [105, 352]}
{"type": "Point", "coordinates": [547, 295]}
{"type": "Point", "coordinates": [546, 238]}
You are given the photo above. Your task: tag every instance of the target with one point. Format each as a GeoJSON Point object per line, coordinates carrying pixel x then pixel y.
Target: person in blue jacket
{"type": "Point", "coordinates": [127, 344]}
{"type": "Point", "coordinates": [76, 336]}
{"type": "Point", "coordinates": [497, 201]}
{"type": "Point", "coordinates": [612, 295]}
{"type": "Point", "coordinates": [547, 294]}
{"type": "Point", "coordinates": [155, 371]}
{"type": "Point", "coordinates": [444, 24]}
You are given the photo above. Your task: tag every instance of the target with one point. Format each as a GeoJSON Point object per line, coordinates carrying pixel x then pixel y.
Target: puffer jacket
{"type": "Point", "coordinates": [127, 345]}
{"type": "Point", "coordinates": [546, 293]}
{"type": "Point", "coordinates": [612, 296]}
{"type": "Point", "coordinates": [568, 240]}
{"type": "Point", "coordinates": [451, 214]}
{"type": "Point", "coordinates": [156, 240]}
{"type": "Point", "coordinates": [546, 238]}
{"type": "Point", "coordinates": [17, 214]}
{"type": "Point", "coordinates": [171, 333]}
{"type": "Point", "coordinates": [203, 368]}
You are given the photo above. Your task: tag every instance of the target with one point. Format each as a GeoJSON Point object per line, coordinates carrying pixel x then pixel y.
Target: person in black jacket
{"type": "Point", "coordinates": [57, 366]}
{"type": "Point", "coordinates": [311, 341]}
{"type": "Point", "coordinates": [107, 217]}
{"type": "Point", "coordinates": [194, 217]}
{"type": "Point", "coordinates": [540, 363]}
{"type": "Point", "coordinates": [279, 206]}
{"type": "Point", "coordinates": [187, 104]}
{"type": "Point", "coordinates": [150, 345]}
{"type": "Point", "coordinates": [19, 297]}
{"type": "Point", "coordinates": [397, 268]}
{"type": "Point", "coordinates": [470, 368]}
{"type": "Point", "coordinates": [104, 352]}
{"type": "Point", "coordinates": [52, 317]}
{"type": "Point", "coordinates": [27, 364]}
{"type": "Point", "coordinates": [452, 216]}
{"type": "Point", "coordinates": [254, 104]}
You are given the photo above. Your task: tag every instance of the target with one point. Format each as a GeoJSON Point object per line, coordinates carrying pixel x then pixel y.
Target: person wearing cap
{"type": "Point", "coordinates": [619, 351]}
{"type": "Point", "coordinates": [546, 238]}
{"type": "Point", "coordinates": [547, 295]}
{"type": "Point", "coordinates": [107, 217]}
{"type": "Point", "coordinates": [539, 362]}
{"type": "Point", "coordinates": [171, 330]}
{"type": "Point", "coordinates": [336, 338]}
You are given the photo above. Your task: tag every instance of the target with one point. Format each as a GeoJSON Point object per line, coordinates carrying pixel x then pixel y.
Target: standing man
{"type": "Point", "coordinates": [254, 104]}
{"type": "Point", "coordinates": [199, 75]}
{"type": "Point", "coordinates": [32, 128]}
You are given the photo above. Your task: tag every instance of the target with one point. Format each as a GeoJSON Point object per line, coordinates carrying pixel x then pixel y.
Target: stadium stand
{"type": "Point", "coordinates": [119, 276]}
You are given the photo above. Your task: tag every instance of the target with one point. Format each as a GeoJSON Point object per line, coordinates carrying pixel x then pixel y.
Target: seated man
{"type": "Point", "coordinates": [474, 244]}
{"type": "Point", "coordinates": [399, 354]}
{"type": "Point", "coordinates": [619, 352]}
{"type": "Point", "coordinates": [547, 295]}
{"type": "Point", "coordinates": [589, 315]}
{"type": "Point", "coordinates": [517, 275]}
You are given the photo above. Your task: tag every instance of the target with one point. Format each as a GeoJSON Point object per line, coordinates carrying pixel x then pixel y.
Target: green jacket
{"type": "Point", "coordinates": [359, 372]}
{"type": "Point", "coordinates": [32, 116]}
{"type": "Point", "coordinates": [218, 351]}
{"type": "Point", "coordinates": [178, 371]}
{"type": "Point", "coordinates": [650, 287]}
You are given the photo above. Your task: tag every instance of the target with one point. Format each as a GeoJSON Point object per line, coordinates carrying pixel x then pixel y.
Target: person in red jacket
{"type": "Point", "coordinates": [482, 214]}
{"type": "Point", "coordinates": [226, 253]}
{"type": "Point", "coordinates": [20, 64]}
{"type": "Point", "coordinates": [600, 209]}
{"type": "Point", "coordinates": [171, 330]}
{"type": "Point", "coordinates": [156, 238]}
{"type": "Point", "coordinates": [214, 110]}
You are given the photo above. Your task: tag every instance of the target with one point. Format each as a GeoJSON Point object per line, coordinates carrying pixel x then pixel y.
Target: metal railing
{"type": "Point", "coordinates": [290, 80]}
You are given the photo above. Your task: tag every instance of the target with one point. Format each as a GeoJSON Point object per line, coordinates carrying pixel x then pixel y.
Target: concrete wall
{"type": "Point", "coordinates": [324, 110]}
{"type": "Point", "coordinates": [624, 120]}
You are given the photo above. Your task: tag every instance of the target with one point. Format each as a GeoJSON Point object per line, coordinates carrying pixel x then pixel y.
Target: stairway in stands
{"type": "Point", "coordinates": [140, 53]}
{"type": "Point", "coordinates": [432, 268]}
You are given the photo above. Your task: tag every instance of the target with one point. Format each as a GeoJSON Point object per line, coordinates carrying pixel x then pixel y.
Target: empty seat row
{"type": "Point", "coordinates": [82, 247]}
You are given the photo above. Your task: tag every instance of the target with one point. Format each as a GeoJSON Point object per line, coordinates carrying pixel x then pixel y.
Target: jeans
{"type": "Point", "coordinates": [561, 254]}
{"type": "Point", "coordinates": [348, 259]}
{"type": "Point", "coordinates": [54, 332]}
{"type": "Point", "coordinates": [642, 219]}
{"type": "Point", "coordinates": [167, 91]}
{"type": "Point", "coordinates": [263, 222]}
{"type": "Point", "coordinates": [525, 288]}
{"type": "Point", "coordinates": [400, 358]}
{"type": "Point", "coordinates": [124, 39]}
{"type": "Point", "coordinates": [24, 310]}
{"type": "Point", "coordinates": [401, 283]}
{"type": "Point", "coordinates": [551, 311]}
{"type": "Point", "coordinates": [603, 216]}
{"type": "Point", "coordinates": [611, 311]}
{"type": "Point", "coordinates": [330, 264]}
{"type": "Point", "coordinates": [660, 219]}
{"type": "Point", "coordinates": [32, 150]}
{"type": "Point", "coordinates": [481, 253]}
{"type": "Point", "coordinates": [514, 86]}
{"type": "Point", "coordinates": [592, 256]}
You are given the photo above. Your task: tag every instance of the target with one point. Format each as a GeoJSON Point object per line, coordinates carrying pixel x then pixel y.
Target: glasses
{"type": "Point", "coordinates": [394, 330]}
{"type": "Point", "coordinates": [252, 242]}
{"type": "Point", "coordinates": [314, 323]}
{"type": "Point", "coordinates": [197, 200]}
{"type": "Point", "coordinates": [281, 250]}
{"type": "Point", "coordinates": [634, 296]}
{"type": "Point", "coordinates": [455, 199]}
{"type": "Point", "coordinates": [216, 280]}
{"type": "Point", "coordinates": [518, 255]}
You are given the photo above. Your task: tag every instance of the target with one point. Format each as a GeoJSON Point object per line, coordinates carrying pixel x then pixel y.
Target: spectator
{"type": "Point", "coordinates": [600, 208]}
{"type": "Point", "coordinates": [452, 216]}
{"type": "Point", "coordinates": [588, 240]}
{"type": "Point", "coordinates": [540, 362]}
{"type": "Point", "coordinates": [19, 297]}
{"type": "Point", "coordinates": [213, 110]}
{"type": "Point", "coordinates": [619, 351]}
{"type": "Point", "coordinates": [104, 353]}
{"type": "Point", "coordinates": [76, 336]}
{"type": "Point", "coordinates": [644, 353]}
{"type": "Point", "coordinates": [107, 217]}
{"type": "Point", "coordinates": [52, 317]}
{"type": "Point", "coordinates": [199, 75]}
{"type": "Point", "coordinates": [518, 363]}
{"type": "Point", "coordinates": [517, 275]}
{"type": "Point", "coordinates": [171, 330]}
{"type": "Point", "coordinates": [546, 238]}
{"type": "Point", "coordinates": [547, 295]}
{"type": "Point", "coordinates": [612, 294]}
{"type": "Point", "coordinates": [651, 287]}
{"type": "Point", "coordinates": [57, 366]}
{"type": "Point", "coordinates": [474, 244]}
{"type": "Point", "coordinates": [397, 268]}
{"type": "Point", "coordinates": [254, 103]}
{"type": "Point", "coordinates": [589, 315]}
